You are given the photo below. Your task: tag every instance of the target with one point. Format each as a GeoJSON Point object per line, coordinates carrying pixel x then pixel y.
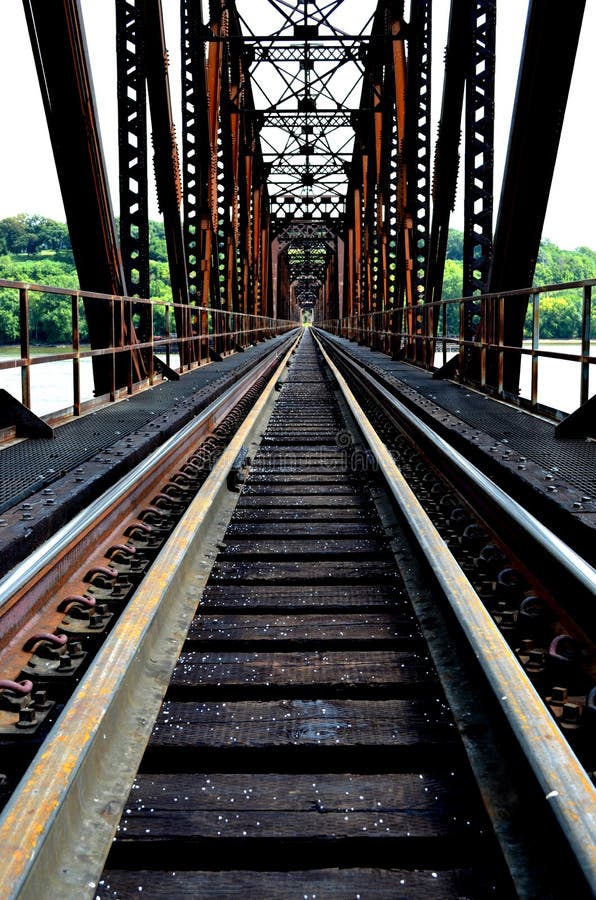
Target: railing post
{"type": "Point", "coordinates": [535, 348]}
{"type": "Point", "coordinates": [585, 348]}
{"type": "Point", "coordinates": [25, 347]}
{"type": "Point", "coordinates": [124, 339]}
{"type": "Point", "coordinates": [462, 335]}
{"type": "Point", "coordinates": [429, 327]}
{"type": "Point", "coordinates": [151, 354]}
{"type": "Point", "coordinates": [166, 320]}
{"type": "Point", "coordinates": [500, 343]}
{"type": "Point", "coordinates": [76, 362]}
{"type": "Point", "coordinates": [444, 329]}
{"type": "Point", "coordinates": [484, 308]}
{"type": "Point", "coordinates": [113, 346]}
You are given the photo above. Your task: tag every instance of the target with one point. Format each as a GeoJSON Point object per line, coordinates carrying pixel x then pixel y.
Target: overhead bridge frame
{"type": "Point", "coordinates": [227, 202]}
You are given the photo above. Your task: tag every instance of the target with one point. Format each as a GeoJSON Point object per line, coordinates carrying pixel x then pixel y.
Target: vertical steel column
{"type": "Point", "coordinates": [478, 173]}
{"type": "Point", "coordinates": [60, 51]}
{"type": "Point", "coordinates": [447, 146]}
{"type": "Point", "coordinates": [132, 153]}
{"type": "Point", "coordinates": [417, 138]}
{"type": "Point", "coordinates": [266, 307]}
{"type": "Point", "coordinates": [195, 144]}
{"type": "Point", "coordinates": [167, 169]}
{"type": "Point", "coordinates": [548, 56]}
{"type": "Point", "coordinates": [401, 199]}
{"type": "Point", "coordinates": [132, 157]}
{"type": "Point", "coordinates": [197, 231]}
{"type": "Point", "coordinates": [479, 153]}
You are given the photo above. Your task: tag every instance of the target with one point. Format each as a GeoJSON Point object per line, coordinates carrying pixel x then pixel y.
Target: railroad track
{"type": "Point", "coordinates": [334, 719]}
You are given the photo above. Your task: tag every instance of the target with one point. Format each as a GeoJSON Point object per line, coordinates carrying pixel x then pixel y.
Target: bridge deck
{"type": "Point", "coordinates": [554, 478]}
{"type": "Point", "coordinates": [43, 482]}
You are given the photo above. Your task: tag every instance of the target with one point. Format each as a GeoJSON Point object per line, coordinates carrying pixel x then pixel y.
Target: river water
{"type": "Point", "coordinates": [51, 383]}
{"type": "Point", "coordinates": [558, 379]}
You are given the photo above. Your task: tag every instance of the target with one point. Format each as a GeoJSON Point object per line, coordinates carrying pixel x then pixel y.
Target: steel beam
{"type": "Point", "coordinates": [447, 146]}
{"type": "Point", "coordinates": [548, 56]}
{"type": "Point", "coordinates": [60, 51]}
{"type": "Point", "coordinates": [417, 137]}
{"type": "Point", "coordinates": [167, 167]}
{"type": "Point", "coordinates": [132, 153]}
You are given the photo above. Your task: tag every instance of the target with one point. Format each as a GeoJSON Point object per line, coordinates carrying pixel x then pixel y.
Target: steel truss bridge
{"type": "Point", "coordinates": [339, 604]}
{"type": "Point", "coordinates": [304, 176]}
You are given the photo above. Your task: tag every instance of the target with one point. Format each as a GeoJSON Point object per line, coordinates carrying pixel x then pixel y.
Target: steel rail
{"type": "Point", "coordinates": [562, 778]}
{"type": "Point", "coordinates": [575, 566]}
{"type": "Point", "coordinates": [56, 830]}
{"type": "Point", "coordinates": [41, 559]}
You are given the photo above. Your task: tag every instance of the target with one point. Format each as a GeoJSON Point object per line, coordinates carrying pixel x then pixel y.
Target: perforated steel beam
{"type": "Point", "coordinates": [132, 152]}
{"type": "Point", "coordinates": [167, 167]}
{"type": "Point", "coordinates": [60, 52]}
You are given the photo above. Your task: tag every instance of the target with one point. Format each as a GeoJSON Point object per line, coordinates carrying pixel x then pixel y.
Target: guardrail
{"type": "Point", "coordinates": [430, 334]}
{"type": "Point", "coordinates": [207, 334]}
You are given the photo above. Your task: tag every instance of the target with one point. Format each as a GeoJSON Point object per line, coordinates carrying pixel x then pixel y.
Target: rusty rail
{"type": "Point", "coordinates": [562, 778]}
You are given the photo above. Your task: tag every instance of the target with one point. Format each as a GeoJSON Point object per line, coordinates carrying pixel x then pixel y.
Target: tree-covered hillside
{"type": "Point", "coordinates": [37, 250]}
{"type": "Point", "coordinates": [561, 313]}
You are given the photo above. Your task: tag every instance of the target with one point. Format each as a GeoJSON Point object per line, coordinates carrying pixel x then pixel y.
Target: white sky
{"type": "Point", "coordinates": [28, 182]}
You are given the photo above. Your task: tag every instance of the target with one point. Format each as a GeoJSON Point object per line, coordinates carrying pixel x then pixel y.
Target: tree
{"type": "Point", "coordinates": [455, 244]}
{"type": "Point", "coordinates": [560, 317]}
{"type": "Point", "coordinates": [9, 317]}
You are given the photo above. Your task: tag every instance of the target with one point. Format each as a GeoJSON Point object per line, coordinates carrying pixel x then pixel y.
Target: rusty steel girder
{"type": "Point", "coordinates": [60, 52]}
{"type": "Point", "coordinates": [132, 150]}
{"type": "Point", "coordinates": [548, 57]}
{"type": "Point", "coordinates": [288, 118]}
{"type": "Point", "coordinates": [469, 68]}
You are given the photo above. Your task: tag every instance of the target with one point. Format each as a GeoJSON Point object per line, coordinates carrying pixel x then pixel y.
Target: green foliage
{"type": "Point", "coordinates": [560, 317]}
{"type": "Point", "coordinates": [560, 314]}
{"type": "Point", "coordinates": [32, 234]}
{"type": "Point", "coordinates": [9, 316]}
{"type": "Point", "coordinates": [455, 244]}
{"type": "Point", "coordinates": [37, 251]}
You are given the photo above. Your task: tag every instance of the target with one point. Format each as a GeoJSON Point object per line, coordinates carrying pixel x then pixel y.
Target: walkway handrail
{"type": "Point", "coordinates": [209, 333]}
{"type": "Point", "coordinates": [418, 333]}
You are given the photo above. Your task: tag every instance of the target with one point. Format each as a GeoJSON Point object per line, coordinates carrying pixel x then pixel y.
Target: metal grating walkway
{"type": "Point", "coordinates": [32, 464]}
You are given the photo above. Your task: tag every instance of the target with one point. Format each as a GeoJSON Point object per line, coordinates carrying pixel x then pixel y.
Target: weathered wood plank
{"type": "Point", "coordinates": [320, 807]}
{"type": "Point", "coordinates": [284, 512]}
{"type": "Point", "coordinates": [283, 425]}
{"type": "Point", "coordinates": [302, 432]}
{"type": "Point", "coordinates": [320, 629]}
{"type": "Point", "coordinates": [267, 452]}
{"type": "Point", "coordinates": [290, 545]}
{"type": "Point", "coordinates": [321, 500]}
{"type": "Point", "coordinates": [304, 529]}
{"type": "Point", "coordinates": [300, 597]}
{"type": "Point", "coordinates": [306, 724]}
{"type": "Point", "coordinates": [331, 884]}
{"type": "Point", "coordinates": [328, 671]}
{"type": "Point", "coordinates": [307, 490]}
{"type": "Point", "coordinates": [303, 438]}
{"type": "Point", "coordinates": [288, 478]}
{"type": "Point", "coordinates": [292, 464]}
{"type": "Point", "coordinates": [304, 572]}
